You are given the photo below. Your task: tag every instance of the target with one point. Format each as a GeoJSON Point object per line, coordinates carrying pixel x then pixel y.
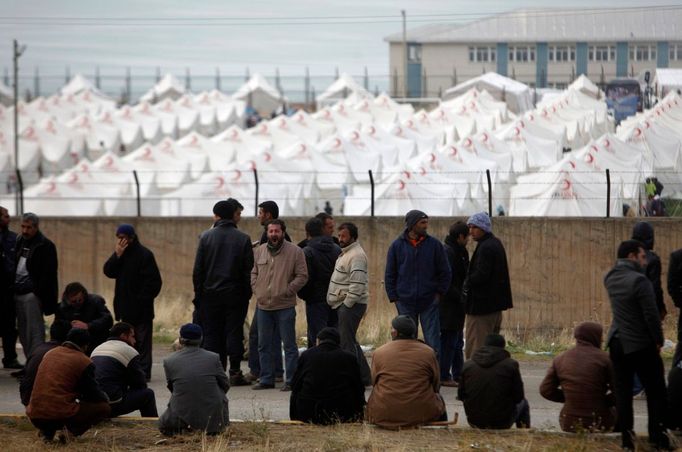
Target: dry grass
{"type": "Point", "coordinates": [19, 435]}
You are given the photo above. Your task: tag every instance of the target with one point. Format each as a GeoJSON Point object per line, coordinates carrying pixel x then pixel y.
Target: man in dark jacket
{"type": "Point", "coordinates": [328, 229]}
{"type": "Point", "coordinates": [418, 275]}
{"type": "Point", "coordinates": [86, 311]}
{"type": "Point", "coordinates": [35, 283]}
{"type": "Point", "coordinates": [138, 282]}
{"type": "Point", "coordinates": [320, 254]}
{"type": "Point", "coordinates": [222, 287]}
{"type": "Point", "coordinates": [119, 373]}
{"type": "Point", "coordinates": [58, 332]}
{"type": "Point", "coordinates": [487, 289]}
{"type": "Point", "coordinates": [450, 306]}
{"type": "Point", "coordinates": [635, 339]}
{"type": "Point", "coordinates": [8, 317]}
{"type": "Point", "coordinates": [65, 393]}
{"type": "Point", "coordinates": [327, 387]}
{"type": "Point", "coordinates": [644, 232]}
{"type": "Point", "coordinates": [491, 388]}
{"type": "Point", "coordinates": [675, 292]}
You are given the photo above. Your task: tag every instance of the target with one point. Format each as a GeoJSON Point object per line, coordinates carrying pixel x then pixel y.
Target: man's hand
{"type": "Point", "coordinates": [79, 324]}
{"type": "Point", "coordinates": [121, 246]}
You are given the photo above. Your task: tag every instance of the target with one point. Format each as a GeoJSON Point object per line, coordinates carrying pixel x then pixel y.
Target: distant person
{"type": "Point", "coordinates": [450, 306]}
{"type": "Point", "coordinates": [198, 384]}
{"type": "Point", "coordinates": [327, 387]}
{"type": "Point", "coordinates": [328, 208]}
{"type": "Point", "coordinates": [35, 283]}
{"type": "Point", "coordinates": [65, 393]}
{"type": "Point", "coordinates": [418, 275]}
{"type": "Point", "coordinates": [138, 283]}
{"type": "Point", "coordinates": [328, 228]}
{"type": "Point", "coordinates": [582, 379]}
{"type": "Point", "coordinates": [487, 288]}
{"type": "Point", "coordinates": [86, 311]}
{"type": "Point", "coordinates": [405, 380]}
{"type": "Point", "coordinates": [222, 287]}
{"type": "Point", "coordinates": [348, 294]}
{"type": "Point", "coordinates": [119, 373]}
{"type": "Point", "coordinates": [491, 388]}
{"type": "Point", "coordinates": [8, 316]}
{"type": "Point", "coordinates": [643, 232]}
{"type": "Point", "coordinates": [320, 254]}
{"type": "Point", "coordinates": [58, 332]}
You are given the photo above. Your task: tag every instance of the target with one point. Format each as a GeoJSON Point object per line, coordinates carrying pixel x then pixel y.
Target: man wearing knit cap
{"type": "Point", "coordinates": [222, 287]}
{"type": "Point", "coordinates": [405, 380]}
{"type": "Point", "coordinates": [417, 275]}
{"type": "Point", "coordinates": [138, 282]}
{"type": "Point", "coordinates": [487, 289]}
{"type": "Point", "coordinates": [198, 385]}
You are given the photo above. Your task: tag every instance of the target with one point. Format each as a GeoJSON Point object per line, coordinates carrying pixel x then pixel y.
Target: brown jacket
{"type": "Point", "coordinates": [276, 278]}
{"type": "Point", "coordinates": [65, 374]}
{"type": "Point", "coordinates": [406, 382]}
{"type": "Point", "coordinates": [581, 379]}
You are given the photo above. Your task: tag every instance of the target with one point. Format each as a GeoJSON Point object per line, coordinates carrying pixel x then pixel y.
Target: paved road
{"type": "Point", "coordinates": [273, 404]}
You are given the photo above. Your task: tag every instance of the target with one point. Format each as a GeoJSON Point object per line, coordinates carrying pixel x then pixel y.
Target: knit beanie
{"type": "Point", "coordinates": [413, 216]}
{"type": "Point", "coordinates": [481, 220]}
{"type": "Point", "coordinates": [191, 333]}
{"type": "Point", "coordinates": [125, 229]}
{"type": "Point", "coordinates": [495, 340]}
{"type": "Point", "coordinates": [405, 327]}
{"type": "Point", "coordinates": [330, 335]}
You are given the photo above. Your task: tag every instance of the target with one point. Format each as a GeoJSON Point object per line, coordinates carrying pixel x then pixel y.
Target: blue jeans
{"type": "Point", "coordinates": [319, 316]}
{"type": "Point", "coordinates": [268, 321]}
{"type": "Point", "coordinates": [451, 354]}
{"type": "Point", "coordinates": [429, 318]}
{"type": "Point", "coordinates": [254, 357]}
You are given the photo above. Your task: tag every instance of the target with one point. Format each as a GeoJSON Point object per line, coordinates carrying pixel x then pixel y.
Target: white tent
{"type": "Point", "coordinates": [259, 94]}
{"type": "Point", "coordinates": [667, 80]}
{"type": "Point", "coordinates": [585, 86]}
{"type": "Point", "coordinates": [6, 95]}
{"type": "Point", "coordinates": [516, 94]}
{"type": "Point", "coordinates": [78, 84]}
{"type": "Point", "coordinates": [168, 87]}
{"type": "Point", "coordinates": [343, 87]}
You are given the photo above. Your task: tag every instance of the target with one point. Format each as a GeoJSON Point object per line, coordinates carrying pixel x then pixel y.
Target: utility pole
{"type": "Point", "coordinates": [402, 11]}
{"type": "Point", "coordinates": [17, 52]}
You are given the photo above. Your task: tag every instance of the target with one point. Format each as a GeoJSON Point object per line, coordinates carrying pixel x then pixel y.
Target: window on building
{"type": "Point", "coordinates": [414, 53]}
{"type": "Point", "coordinates": [493, 53]}
{"type": "Point", "coordinates": [601, 53]}
{"type": "Point", "coordinates": [675, 51]}
{"type": "Point", "coordinates": [561, 53]}
{"type": "Point", "coordinates": [522, 54]}
{"type": "Point", "coordinates": [643, 52]}
{"type": "Point", "coordinates": [481, 54]}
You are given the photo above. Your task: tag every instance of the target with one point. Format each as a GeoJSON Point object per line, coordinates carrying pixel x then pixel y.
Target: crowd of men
{"type": "Point", "coordinates": [93, 368]}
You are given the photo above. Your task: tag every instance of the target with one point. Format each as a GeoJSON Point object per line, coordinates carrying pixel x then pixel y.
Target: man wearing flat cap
{"type": "Point", "coordinates": [487, 289]}
{"type": "Point", "coordinates": [327, 387]}
{"type": "Point", "coordinates": [405, 380]}
{"type": "Point", "coordinates": [417, 275]}
{"type": "Point", "coordinates": [198, 385]}
{"type": "Point", "coordinates": [138, 282]}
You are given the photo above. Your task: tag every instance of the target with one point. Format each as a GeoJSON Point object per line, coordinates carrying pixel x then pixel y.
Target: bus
{"type": "Point", "coordinates": [623, 98]}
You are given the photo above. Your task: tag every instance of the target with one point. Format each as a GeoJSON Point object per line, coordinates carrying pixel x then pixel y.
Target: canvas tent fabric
{"type": "Point", "coordinates": [516, 94]}
{"type": "Point", "coordinates": [168, 87]}
{"type": "Point", "coordinates": [667, 80]}
{"type": "Point", "coordinates": [259, 94]}
{"type": "Point", "coordinates": [342, 87]}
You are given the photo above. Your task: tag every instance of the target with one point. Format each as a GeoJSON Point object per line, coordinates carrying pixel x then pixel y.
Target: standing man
{"type": "Point", "coordinates": [86, 311]}
{"type": "Point", "coordinates": [35, 283]}
{"type": "Point", "coordinates": [328, 228]}
{"type": "Point", "coordinates": [451, 312]}
{"type": "Point", "coordinates": [267, 211]}
{"type": "Point", "coordinates": [138, 282]}
{"type": "Point", "coordinates": [644, 232]}
{"type": "Point", "coordinates": [635, 340]}
{"type": "Point", "coordinates": [222, 287]}
{"type": "Point", "coordinates": [320, 255]}
{"type": "Point", "coordinates": [8, 317]}
{"type": "Point", "coordinates": [675, 292]}
{"type": "Point", "coordinates": [418, 275]}
{"type": "Point", "coordinates": [487, 289]}
{"type": "Point", "coordinates": [278, 274]}
{"type": "Point", "coordinates": [348, 294]}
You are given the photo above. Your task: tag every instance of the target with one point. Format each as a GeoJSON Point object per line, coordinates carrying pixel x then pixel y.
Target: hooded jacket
{"type": "Point", "coordinates": [490, 387]}
{"type": "Point", "coordinates": [644, 232]}
{"type": "Point", "coordinates": [487, 288]}
{"type": "Point", "coordinates": [94, 312]}
{"type": "Point", "coordinates": [450, 306]}
{"type": "Point", "coordinates": [675, 277]}
{"type": "Point", "coordinates": [41, 264]}
{"type": "Point", "coordinates": [582, 379]}
{"type": "Point", "coordinates": [320, 255]}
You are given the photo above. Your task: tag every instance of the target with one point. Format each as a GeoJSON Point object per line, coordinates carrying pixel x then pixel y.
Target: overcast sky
{"type": "Point", "coordinates": [260, 34]}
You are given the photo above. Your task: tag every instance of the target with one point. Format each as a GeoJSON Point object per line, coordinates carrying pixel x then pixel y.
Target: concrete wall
{"type": "Point", "coordinates": [557, 265]}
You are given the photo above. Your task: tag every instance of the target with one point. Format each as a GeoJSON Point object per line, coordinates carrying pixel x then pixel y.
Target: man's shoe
{"type": "Point", "coordinates": [251, 377]}
{"type": "Point", "coordinates": [259, 386]}
{"type": "Point", "coordinates": [18, 373]}
{"type": "Point", "coordinates": [286, 388]}
{"type": "Point", "coordinates": [237, 379]}
{"type": "Point", "coordinates": [449, 383]}
{"type": "Point", "coordinates": [279, 378]}
{"type": "Point", "coordinates": [14, 364]}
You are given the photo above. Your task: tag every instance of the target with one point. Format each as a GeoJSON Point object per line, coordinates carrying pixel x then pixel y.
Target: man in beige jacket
{"type": "Point", "coordinates": [279, 272]}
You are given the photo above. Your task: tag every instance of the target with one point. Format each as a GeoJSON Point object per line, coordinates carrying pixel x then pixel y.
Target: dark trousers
{"type": "Point", "coordinates": [254, 356]}
{"type": "Point", "coordinates": [143, 344]}
{"type": "Point", "coordinates": [142, 399]}
{"type": "Point", "coordinates": [349, 322]}
{"type": "Point", "coordinates": [222, 319]}
{"type": "Point", "coordinates": [522, 414]}
{"type": "Point", "coordinates": [8, 327]}
{"type": "Point", "coordinates": [647, 364]}
{"type": "Point", "coordinates": [88, 414]}
{"type": "Point", "coordinates": [319, 316]}
{"type": "Point", "coordinates": [451, 354]}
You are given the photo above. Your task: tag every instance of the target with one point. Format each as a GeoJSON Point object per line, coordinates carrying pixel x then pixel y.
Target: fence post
{"type": "Point", "coordinates": [20, 193]}
{"type": "Point", "coordinates": [255, 178]}
{"type": "Point", "coordinates": [67, 75]}
{"type": "Point", "coordinates": [306, 83]}
{"type": "Point", "coordinates": [217, 78]}
{"type": "Point", "coordinates": [366, 79]}
{"type": "Point", "coordinates": [129, 93]}
{"type": "Point", "coordinates": [371, 182]}
{"type": "Point", "coordinates": [608, 193]}
{"type": "Point", "coordinates": [36, 82]}
{"type": "Point", "coordinates": [490, 193]}
{"type": "Point", "coordinates": [188, 80]}
{"type": "Point", "coordinates": [98, 79]}
{"type": "Point", "coordinates": [137, 194]}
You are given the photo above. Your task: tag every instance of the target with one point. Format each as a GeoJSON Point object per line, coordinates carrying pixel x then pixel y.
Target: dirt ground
{"type": "Point", "coordinates": [125, 435]}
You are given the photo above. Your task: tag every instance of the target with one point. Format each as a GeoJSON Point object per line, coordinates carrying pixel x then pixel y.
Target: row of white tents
{"type": "Point", "coordinates": [435, 160]}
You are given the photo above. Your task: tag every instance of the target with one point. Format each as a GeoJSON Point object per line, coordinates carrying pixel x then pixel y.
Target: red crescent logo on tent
{"type": "Point", "coordinates": [267, 156]}
{"type": "Point", "coordinates": [50, 127]}
{"type": "Point", "coordinates": [220, 181]}
{"type": "Point", "coordinates": [356, 135]}
{"type": "Point", "coordinates": [646, 124]}
{"type": "Point", "coordinates": [433, 157]}
{"type": "Point", "coordinates": [638, 131]}
{"type": "Point", "coordinates": [109, 161]}
{"type": "Point", "coordinates": [301, 149]}
{"type": "Point", "coordinates": [372, 130]}
{"type": "Point", "coordinates": [607, 143]}
{"type": "Point", "coordinates": [52, 187]}
{"type": "Point", "coordinates": [237, 175]}
{"type": "Point", "coordinates": [107, 118]}
{"type": "Point", "coordinates": [29, 133]}
{"type": "Point", "coordinates": [531, 117]}
{"type": "Point", "coordinates": [401, 185]}
{"type": "Point", "coordinates": [166, 145]}
{"type": "Point", "coordinates": [263, 128]}
{"type": "Point", "coordinates": [464, 109]}
{"type": "Point", "coordinates": [567, 185]}
{"type": "Point", "coordinates": [194, 141]}
{"type": "Point", "coordinates": [252, 165]}
{"type": "Point", "coordinates": [572, 164]}
{"type": "Point", "coordinates": [468, 142]}
{"type": "Point", "coordinates": [234, 134]}
{"type": "Point", "coordinates": [84, 122]}
{"type": "Point", "coordinates": [337, 143]}
{"type": "Point", "coordinates": [517, 131]}
{"type": "Point", "coordinates": [422, 171]}
{"type": "Point", "coordinates": [522, 124]}
{"type": "Point", "coordinates": [407, 174]}
{"type": "Point", "coordinates": [409, 124]}
{"type": "Point", "coordinates": [485, 137]}
{"type": "Point", "coordinates": [453, 150]}
{"type": "Point", "coordinates": [595, 148]}
{"type": "Point", "coordinates": [553, 109]}
{"type": "Point", "coordinates": [84, 166]}
{"type": "Point", "coordinates": [327, 113]}
{"type": "Point", "coordinates": [441, 113]}
{"type": "Point", "coordinates": [147, 155]}
{"type": "Point", "coordinates": [472, 104]}
{"type": "Point", "coordinates": [73, 178]}
{"type": "Point", "coordinates": [589, 158]}
{"type": "Point", "coordinates": [282, 123]}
